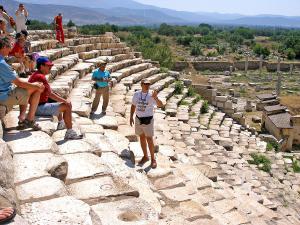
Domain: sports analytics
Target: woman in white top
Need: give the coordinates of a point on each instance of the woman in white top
(21, 16)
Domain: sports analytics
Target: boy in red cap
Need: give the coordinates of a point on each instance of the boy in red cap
(61, 105)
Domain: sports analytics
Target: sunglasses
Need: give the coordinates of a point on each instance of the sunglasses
(145, 83)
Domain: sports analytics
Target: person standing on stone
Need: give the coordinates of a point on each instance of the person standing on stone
(20, 95)
(102, 79)
(58, 23)
(21, 17)
(45, 108)
(143, 103)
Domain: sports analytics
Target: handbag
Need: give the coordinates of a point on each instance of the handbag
(28, 22)
(145, 120)
(95, 85)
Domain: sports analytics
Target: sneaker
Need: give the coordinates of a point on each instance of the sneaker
(72, 135)
(31, 124)
(61, 125)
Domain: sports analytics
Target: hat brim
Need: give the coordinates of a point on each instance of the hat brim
(49, 63)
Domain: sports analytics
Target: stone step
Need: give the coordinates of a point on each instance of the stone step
(63, 210)
(114, 51)
(120, 74)
(102, 46)
(127, 211)
(134, 78)
(54, 54)
(82, 48)
(112, 67)
(110, 188)
(42, 45)
(62, 65)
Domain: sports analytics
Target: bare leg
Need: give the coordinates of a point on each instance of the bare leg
(151, 147)
(60, 116)
(67, 114)
(33, 101)
(143, 144)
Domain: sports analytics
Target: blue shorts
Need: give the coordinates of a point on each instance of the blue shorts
(48, 109)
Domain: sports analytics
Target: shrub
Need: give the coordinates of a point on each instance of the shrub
(197, 99)
(205, 107)
(192, 114)
(196, 49)
(260, 50)
(261, 161)
(178, 88)
(272, 145)
(183, 102)
(290, 53)
(191, 92)
(163, 70)
(296, 166)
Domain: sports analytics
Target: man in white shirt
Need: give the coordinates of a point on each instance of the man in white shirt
(143, 103)
(21, 17)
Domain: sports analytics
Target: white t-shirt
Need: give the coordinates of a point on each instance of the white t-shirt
(20, 21)
(144, 104)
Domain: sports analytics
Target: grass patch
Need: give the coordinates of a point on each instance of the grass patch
(191, 92)
(196, 99)
(296, 166)
(178, 88)
(183, 102)
(163, 70)
(205, 107)
(272, 145)
(262, 162)
(192, 114)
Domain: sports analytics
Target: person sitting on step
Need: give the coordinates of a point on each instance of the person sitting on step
(18, 51)
(45, 108)
(20, 95)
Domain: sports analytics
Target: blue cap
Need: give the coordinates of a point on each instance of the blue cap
(44, 60)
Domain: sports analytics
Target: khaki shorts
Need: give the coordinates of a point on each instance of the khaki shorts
(17, 96)
(148, 130)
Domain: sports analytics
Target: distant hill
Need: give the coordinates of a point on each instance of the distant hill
(129, 12)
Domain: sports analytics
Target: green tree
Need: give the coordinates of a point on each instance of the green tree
(260, 50)
(71, 24)
(196, 49)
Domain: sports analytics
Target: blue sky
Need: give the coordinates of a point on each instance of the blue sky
(246, 7)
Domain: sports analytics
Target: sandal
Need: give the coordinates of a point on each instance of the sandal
(21, 125)
(153, 164)
(143, 161)
(32, 124)
(9, 218)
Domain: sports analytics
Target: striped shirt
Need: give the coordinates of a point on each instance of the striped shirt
(7, 75)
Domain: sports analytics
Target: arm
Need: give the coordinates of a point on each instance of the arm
(156, 99)
(158, 102)
(57, 98)
(17, 12)
(26, 12)
(132, 110)
(26, 85)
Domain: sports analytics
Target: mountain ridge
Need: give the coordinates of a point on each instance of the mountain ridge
(129, 12)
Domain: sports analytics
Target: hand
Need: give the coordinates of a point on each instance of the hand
(68, 103)
(39, 86)
(154, 94)
(131, 121)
